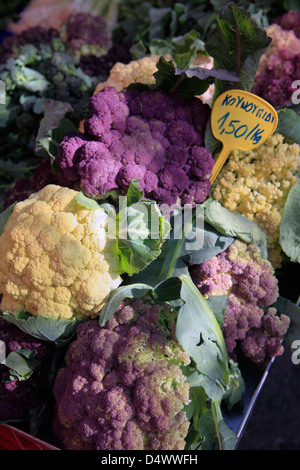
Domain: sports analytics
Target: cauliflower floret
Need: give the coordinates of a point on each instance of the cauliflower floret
(57, 259)
(251, 285)
(257, 183)
(122, 387)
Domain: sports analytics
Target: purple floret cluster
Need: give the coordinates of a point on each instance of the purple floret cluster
(150, 135)
(19, 398)
(279, 66)
(122, 387)
(252, 287)
(82, 29)
(35, 36)
(290, 21)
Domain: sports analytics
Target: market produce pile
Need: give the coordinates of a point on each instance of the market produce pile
(134, 288)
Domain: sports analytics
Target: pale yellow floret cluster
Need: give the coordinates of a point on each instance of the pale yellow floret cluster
(143, 70)
(56, 258)
(256, 184)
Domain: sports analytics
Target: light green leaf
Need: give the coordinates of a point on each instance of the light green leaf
(47, 329)
(289, 124)
(132, 291)
(234, 224)
(86, 202)
(290, 225)
(48, 137)
(141, 231)
(199, 334)
(22, 363)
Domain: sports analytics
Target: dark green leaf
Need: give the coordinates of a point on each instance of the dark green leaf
(4, 216)
(236, 46)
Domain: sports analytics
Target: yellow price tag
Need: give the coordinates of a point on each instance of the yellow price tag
(240, 120)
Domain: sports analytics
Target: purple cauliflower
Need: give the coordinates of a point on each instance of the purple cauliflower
(251, 285)
(122, 387)
(150, 135)
(290, 21)
(100, 66)
(278, 67)
(19, 397)
(85, 33)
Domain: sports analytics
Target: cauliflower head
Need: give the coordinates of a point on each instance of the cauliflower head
(150, 135)
(256, 184)
(278, 67)
(122, 387)
(57, 260)
(251, 285)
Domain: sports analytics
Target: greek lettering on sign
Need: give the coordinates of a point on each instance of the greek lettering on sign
(240, 120)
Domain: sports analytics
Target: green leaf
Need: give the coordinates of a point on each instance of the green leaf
(216, 434)
(4, 217)
(289, 308)
(22, 363)
(289, 124)
(47, 329)
(236, 46)
(218, 304)
(132, 291)
(185, 48)
(141, 231)
(290, 225)
(191, 241)
(53, 126)
(31, 80)
(234, 224)
(199, 334)
(134, 194)
(167, 81)
(86, 201)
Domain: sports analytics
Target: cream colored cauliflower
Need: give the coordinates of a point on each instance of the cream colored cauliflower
(57, 260)
(143, 70)
(256, 184)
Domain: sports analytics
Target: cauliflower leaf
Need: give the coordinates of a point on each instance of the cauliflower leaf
(290, 225)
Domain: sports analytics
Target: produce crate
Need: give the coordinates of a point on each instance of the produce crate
(12, 438)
